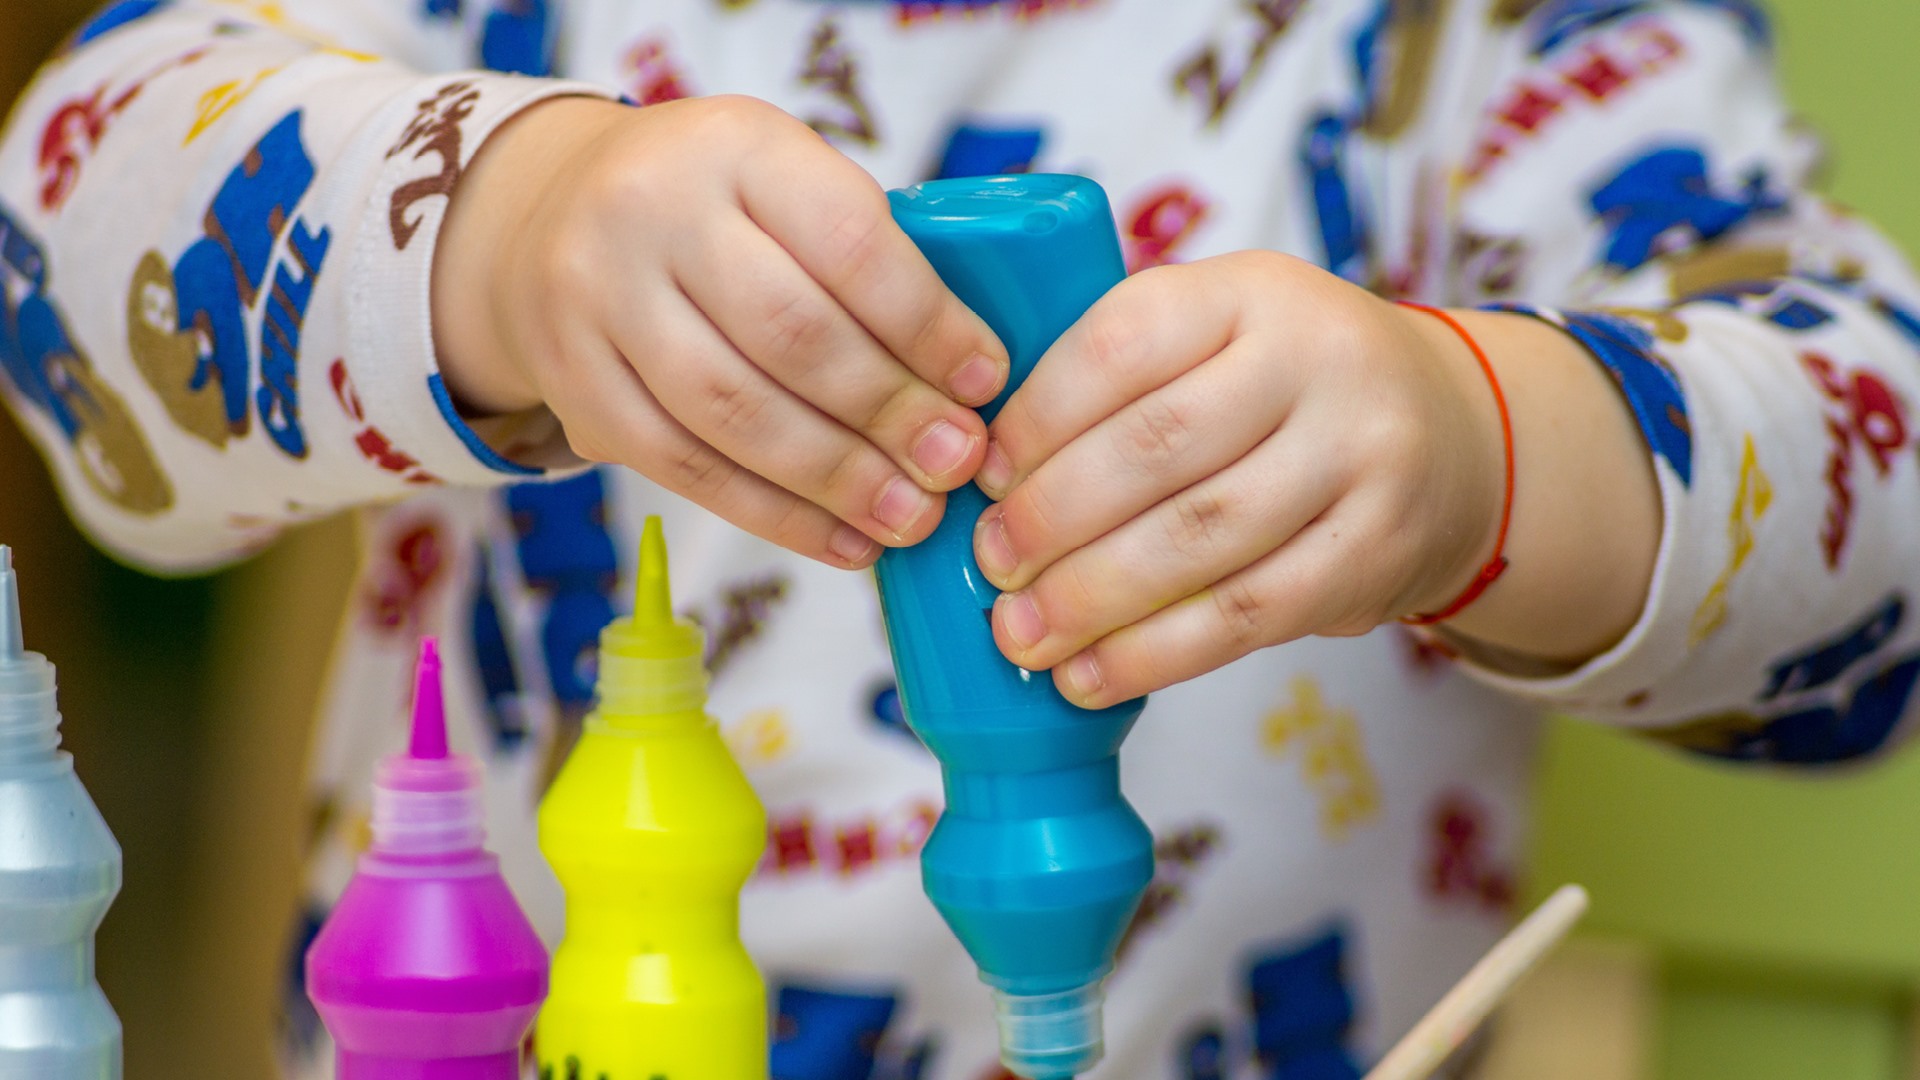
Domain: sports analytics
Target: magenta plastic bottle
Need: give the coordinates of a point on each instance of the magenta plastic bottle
(427, 969)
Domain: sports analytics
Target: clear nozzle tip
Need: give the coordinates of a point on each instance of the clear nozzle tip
(29, 715)
(1054, 1036)
(12, 644)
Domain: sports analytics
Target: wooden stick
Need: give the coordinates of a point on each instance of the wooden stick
(1472, 999)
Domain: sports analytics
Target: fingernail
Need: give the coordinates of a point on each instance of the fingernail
(1021, 620)
(900, 504)
(942, 449)
(850, 544)
(991, 547)
(1083, 675)
(996, 472)
(976, 381)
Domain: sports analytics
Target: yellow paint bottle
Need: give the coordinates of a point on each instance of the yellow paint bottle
(652, 829)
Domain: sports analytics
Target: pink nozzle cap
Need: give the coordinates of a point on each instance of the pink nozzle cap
(429, 705)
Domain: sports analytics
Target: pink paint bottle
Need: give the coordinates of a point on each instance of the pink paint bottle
(427, 969)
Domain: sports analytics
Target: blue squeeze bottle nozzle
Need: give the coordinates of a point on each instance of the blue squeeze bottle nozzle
(1038, 862)
(59, 872)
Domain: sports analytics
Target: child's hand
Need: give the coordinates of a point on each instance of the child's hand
(709, 294)
(1228, 455)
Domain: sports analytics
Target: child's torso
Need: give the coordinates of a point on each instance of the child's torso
(1338, 821)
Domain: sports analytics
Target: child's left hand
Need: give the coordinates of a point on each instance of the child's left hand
(1228, 455)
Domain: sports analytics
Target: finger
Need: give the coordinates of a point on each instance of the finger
(613, 418)
(789, 326)
(734, 407)
(1151, 448)
(1151, 329)
(1200, 535)
(838, 226)
(1291, 593)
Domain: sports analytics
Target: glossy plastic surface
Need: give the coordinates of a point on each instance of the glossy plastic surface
(427, 969)
(1038, 862)
(652, 830)
(59, 871)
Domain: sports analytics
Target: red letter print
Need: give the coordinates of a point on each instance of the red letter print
(1868, 415)
(1160, 224)
(657, 78)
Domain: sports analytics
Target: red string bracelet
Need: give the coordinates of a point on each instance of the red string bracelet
(1496, 565)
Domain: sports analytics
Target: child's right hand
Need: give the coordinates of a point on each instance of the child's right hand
(707, 293)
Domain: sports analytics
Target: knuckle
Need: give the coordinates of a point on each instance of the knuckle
(565, 267)
(1198, 525)
(692, 468)
(853, 237)
(840, 476)
(798, 330)
(1242, 612)
(734, 404)
(792, 526)
(1392, 435)
(1158, 433)
(1066, 593)
(882, 409)
(1030, 517)
(736, 115)
(1117, 344)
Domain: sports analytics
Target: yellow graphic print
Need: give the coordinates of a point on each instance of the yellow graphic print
(220, 100)
(111, 450)
(275, 15)
(1508, 12)
(1750, 504)
(1405, 70)
(216, 102)
(1721, 734)
(1665, 324)
(1713, 266)
(760, 737)
(1333, 759)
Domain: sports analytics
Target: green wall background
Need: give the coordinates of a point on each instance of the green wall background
(1849, 67)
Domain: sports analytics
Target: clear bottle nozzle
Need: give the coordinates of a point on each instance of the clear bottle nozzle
(1051, 1036)
(652, 663)
(29, 716)
(426, 800)
(12, 644)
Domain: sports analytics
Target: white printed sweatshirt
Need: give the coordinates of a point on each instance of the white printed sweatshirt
(217, 224)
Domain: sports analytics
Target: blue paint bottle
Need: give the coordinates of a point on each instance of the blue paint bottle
(1038, 862)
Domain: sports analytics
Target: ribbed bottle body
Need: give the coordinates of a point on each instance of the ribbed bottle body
(59, 872)
(652, 829)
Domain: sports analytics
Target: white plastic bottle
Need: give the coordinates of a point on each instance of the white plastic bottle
(59, 871)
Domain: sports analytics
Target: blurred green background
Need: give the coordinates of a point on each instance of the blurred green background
(1786, 913)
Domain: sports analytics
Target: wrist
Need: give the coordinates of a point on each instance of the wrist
(476, 337)
(1586, 515)
(1471, 555)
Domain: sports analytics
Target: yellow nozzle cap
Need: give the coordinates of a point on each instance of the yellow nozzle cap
(651, 662)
